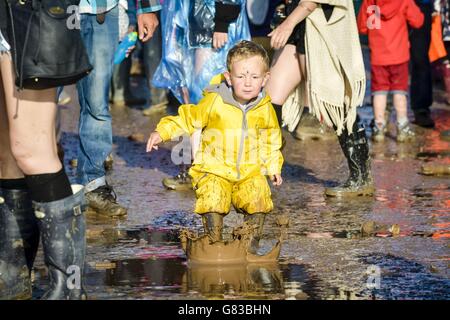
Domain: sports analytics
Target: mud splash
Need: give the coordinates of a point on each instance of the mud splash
(235, 249)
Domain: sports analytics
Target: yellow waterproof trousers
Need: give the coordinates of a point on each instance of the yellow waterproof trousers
(216, 194)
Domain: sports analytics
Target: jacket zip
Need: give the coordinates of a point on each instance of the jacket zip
(243, 136)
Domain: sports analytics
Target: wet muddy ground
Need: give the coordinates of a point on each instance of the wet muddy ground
(323, 257)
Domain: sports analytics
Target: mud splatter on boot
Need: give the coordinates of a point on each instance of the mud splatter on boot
(19, 241)
(213, 225)
(63, 229)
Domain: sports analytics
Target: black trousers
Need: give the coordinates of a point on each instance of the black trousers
(421, 81)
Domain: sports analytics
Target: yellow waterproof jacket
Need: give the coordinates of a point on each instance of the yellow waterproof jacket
(237, 141)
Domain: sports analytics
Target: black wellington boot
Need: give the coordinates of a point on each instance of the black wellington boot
(356, 150)
(213, 225)
(63, 228)
(19, 241)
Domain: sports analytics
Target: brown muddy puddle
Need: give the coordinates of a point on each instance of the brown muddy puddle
(158, 268)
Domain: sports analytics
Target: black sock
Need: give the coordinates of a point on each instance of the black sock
(278, 111)
(49, 187)
(14, 184)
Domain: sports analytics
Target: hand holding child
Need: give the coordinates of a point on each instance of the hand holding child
(153, 141)
(277, 180)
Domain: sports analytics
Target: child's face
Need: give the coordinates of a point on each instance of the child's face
(247, 77)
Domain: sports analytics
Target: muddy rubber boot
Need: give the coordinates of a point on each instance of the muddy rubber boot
(213, 225)
(63, 228)
(356, 150)
(257, 220)
(19, 241)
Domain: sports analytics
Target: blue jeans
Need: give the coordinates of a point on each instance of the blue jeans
(95, 125)
(152, 51)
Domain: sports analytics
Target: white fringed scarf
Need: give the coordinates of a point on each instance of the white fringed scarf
(336, 76)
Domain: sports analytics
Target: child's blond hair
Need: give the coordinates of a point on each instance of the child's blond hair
(246, 49)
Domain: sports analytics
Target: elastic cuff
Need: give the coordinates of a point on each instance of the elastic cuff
(221, 26)
(402, 92)
(380, 93)
(165, 136)
(149, 10)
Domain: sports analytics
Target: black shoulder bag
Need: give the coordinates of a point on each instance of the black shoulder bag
(47, 51)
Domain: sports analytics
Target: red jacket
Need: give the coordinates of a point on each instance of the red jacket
(388, 35)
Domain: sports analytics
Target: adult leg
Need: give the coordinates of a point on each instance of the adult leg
(31, 116)
(19, 233)
(95, 126)
(421, 78)
(379, 110)
(404, 131)
(355, 147)
(285, 75)
(152, 52)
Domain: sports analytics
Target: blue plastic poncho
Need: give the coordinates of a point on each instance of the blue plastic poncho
(188, 60)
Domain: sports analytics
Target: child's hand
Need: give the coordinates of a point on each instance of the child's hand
(277, 180)
(153, 140)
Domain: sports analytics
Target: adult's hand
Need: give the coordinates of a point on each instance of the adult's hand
(219, 39)
(147, 23)
(280, 35)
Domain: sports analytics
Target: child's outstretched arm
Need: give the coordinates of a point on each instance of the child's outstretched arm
(189, 119)
(153, 141)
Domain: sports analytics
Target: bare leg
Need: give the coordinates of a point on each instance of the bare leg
(31, 118)
(201, 56)
(379, 108)
(8, 165)
(400, 104)
(285, 74)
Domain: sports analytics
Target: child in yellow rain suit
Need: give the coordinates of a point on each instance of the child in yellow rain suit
(240, 143)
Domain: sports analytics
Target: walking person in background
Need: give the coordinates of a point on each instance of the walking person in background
(421, 78)
(389, 60)
(318, 43)
(36, 198)
(100, 33)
